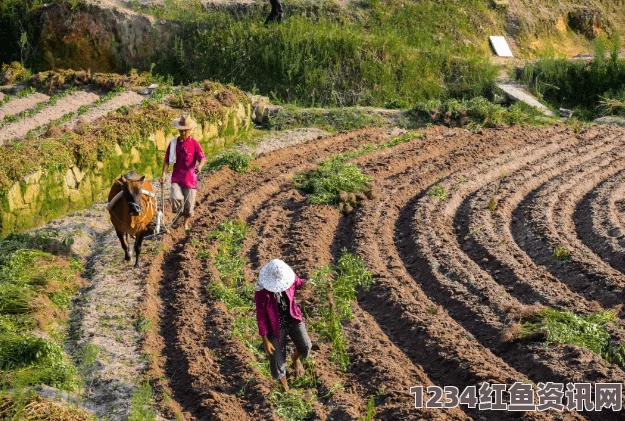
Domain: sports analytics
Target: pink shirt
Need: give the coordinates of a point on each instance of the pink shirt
(188, 153)
(267, 308)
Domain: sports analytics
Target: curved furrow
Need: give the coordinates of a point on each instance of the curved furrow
(597, 221)
(194, 327)
(285, 222)
(271, 230)
(470, 295)
(550, 209)
(426, 333)
(487, 239)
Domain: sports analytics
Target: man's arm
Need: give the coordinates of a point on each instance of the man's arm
(200, 165)
(164, 173)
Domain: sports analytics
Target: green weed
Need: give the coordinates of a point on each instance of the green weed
(334, 182)
(566, 327)
(492, 205)
(293, 405)
(369, 410)
(338, 285)
(438, 191)
(236, 161)
(142, 403)
(561, 253)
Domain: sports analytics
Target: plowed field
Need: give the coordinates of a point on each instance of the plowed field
(447, 272)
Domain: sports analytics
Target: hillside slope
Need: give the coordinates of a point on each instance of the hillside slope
(370, 52)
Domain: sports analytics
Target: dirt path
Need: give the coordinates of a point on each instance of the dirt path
(66, 105)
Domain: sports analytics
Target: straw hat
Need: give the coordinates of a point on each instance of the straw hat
(275, 276)
(185, 122)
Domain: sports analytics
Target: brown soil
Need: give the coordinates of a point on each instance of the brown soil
(447, 272)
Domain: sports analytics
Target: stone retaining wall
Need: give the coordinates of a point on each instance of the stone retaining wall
(45, 195)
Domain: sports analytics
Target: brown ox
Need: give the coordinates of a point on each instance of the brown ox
(132, 205)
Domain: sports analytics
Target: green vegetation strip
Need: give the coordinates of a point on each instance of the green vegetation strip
(337, 182)
(36, 288)
(565, 327)
(337, 286)
(477, 113)
(237, 294)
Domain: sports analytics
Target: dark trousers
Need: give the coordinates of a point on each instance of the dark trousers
(301, 340)
(277, 14)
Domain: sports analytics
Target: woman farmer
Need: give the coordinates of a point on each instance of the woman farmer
(278, 316)
(187, 157)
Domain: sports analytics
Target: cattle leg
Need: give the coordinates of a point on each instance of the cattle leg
(138, 242)
(124, 241)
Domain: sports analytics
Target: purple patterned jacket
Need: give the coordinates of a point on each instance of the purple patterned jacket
(267, 308)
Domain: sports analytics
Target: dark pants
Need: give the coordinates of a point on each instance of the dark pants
(276, 12)
(301, 340)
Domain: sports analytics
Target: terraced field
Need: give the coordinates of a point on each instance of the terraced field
(449, 270)
(35, 111)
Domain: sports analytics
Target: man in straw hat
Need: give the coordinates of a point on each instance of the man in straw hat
(278, 316)
(186, 154)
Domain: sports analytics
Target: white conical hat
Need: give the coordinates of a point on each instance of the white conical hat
(275, 276)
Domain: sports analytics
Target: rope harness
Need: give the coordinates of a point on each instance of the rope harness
(151, 205)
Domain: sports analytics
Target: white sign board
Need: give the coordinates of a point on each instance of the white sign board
(500, 46)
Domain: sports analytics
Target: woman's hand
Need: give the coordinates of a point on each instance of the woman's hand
(268, 346)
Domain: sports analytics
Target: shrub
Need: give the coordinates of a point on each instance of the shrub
(234, 160)
(14, 72)
(594, 87)
(334, 182)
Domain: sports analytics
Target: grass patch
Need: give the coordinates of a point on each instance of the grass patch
(337, 286)
(477, 113)
(35, 293)
(337, 182)
(492, 204)
(293, 405)
(142, 403)
(565, 327)
(234, 160)
(561, 253)
(334, 182)
(438, 191)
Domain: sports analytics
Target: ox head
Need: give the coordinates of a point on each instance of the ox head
(132, 186)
